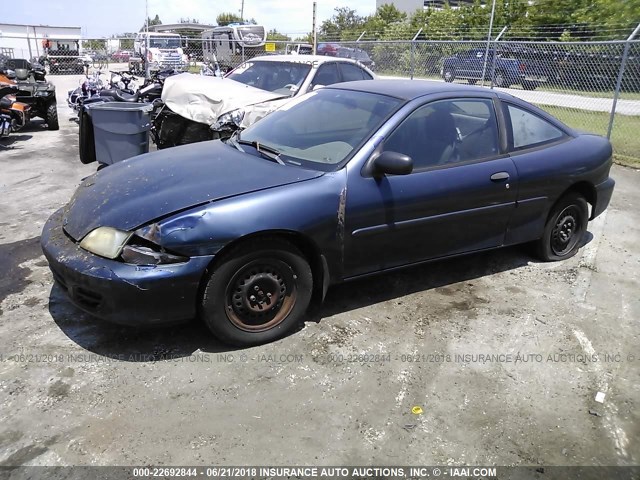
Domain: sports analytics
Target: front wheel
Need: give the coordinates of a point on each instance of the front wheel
(258, 293)
(52, 115)
(564, 229)
(500, 80)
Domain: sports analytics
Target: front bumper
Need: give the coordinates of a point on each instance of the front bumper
(119, 292)
(603, 197)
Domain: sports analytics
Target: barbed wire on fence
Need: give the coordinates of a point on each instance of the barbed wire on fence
(575, 80)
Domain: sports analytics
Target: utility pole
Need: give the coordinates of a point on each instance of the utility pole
(486, 51)
(146, 50)
(315, 34)
(242, 11)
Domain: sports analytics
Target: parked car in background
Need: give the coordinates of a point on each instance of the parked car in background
(298, 49)
(356, 54)
(203, 107)
(330, 49)
(121, 55)
(349, 180)
(469, 65)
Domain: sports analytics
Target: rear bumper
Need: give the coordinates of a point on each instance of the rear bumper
(603, 197)
(119, 292)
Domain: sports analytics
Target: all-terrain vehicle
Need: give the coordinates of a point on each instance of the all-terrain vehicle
(35, 90)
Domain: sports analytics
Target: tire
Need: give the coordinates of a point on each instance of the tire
(529, 85)
(251, 277)
(87, 143)
(448, 75)
(500, 80)
(472, 81)
(52, 115)
(564, 230)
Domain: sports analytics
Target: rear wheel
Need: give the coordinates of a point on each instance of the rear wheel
(564, 229)
(87, 143)
(52, 115)
(472, 81)
(258, 293)
(448, 75)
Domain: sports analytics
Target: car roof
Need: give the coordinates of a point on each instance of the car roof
(302, 58)
(409, 89)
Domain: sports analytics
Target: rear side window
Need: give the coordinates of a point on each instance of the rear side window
(529, 130)
(327, 75)
(353, 72)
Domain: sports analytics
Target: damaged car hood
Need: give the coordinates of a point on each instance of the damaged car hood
(140, 190)
(204, 98)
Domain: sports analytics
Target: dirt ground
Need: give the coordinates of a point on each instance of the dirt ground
(503, 355)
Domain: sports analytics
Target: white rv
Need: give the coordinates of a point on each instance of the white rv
(164, 51)
(233, 43)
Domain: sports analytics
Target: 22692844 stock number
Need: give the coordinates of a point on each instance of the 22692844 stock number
(165, 472)
(358, 357)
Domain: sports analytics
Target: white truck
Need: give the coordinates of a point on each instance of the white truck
(232, 44)
(164, 50)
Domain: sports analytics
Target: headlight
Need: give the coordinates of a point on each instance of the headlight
(105, 241)
(230, 118)
(142, 249)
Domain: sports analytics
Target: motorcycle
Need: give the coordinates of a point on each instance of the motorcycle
(15, 115)
(35, 90)
(89, 87)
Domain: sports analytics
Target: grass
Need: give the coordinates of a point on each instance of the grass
(591, 93)
(624, 136)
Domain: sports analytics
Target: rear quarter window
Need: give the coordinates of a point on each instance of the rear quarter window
(528, 129)
(352, 73)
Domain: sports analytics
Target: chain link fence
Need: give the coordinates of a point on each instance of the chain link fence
(592, 86)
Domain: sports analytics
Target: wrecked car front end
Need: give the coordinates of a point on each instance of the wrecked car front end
(117, 291)
(133, 244)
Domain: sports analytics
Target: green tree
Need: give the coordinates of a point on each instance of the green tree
(228, 17)
(275, 36)
(152, 21)
(386, 15)
(389, 14)
(608, 15)
(96, 45)
(345, 24)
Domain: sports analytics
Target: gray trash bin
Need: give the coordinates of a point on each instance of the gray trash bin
(121, 130)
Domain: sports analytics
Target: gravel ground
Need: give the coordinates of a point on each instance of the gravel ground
(75, 391)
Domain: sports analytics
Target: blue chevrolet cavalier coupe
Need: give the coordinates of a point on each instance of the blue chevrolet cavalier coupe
(349, 180)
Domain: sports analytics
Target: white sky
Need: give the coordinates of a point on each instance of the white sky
(99, 19)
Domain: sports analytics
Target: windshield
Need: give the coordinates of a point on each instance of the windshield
(279, 77)
(324, 128)
(164, 42)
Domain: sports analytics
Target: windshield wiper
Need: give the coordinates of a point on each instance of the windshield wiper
(266, 151)
(234, 142)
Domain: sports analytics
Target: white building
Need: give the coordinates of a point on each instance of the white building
(26, 41)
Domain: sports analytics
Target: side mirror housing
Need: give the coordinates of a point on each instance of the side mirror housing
(392, 163)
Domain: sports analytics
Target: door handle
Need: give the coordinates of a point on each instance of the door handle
(499, 177)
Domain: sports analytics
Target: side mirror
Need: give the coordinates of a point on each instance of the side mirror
(392, 163)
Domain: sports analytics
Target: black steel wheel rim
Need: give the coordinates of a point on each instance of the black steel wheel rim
(565, 233)
(261, 295)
